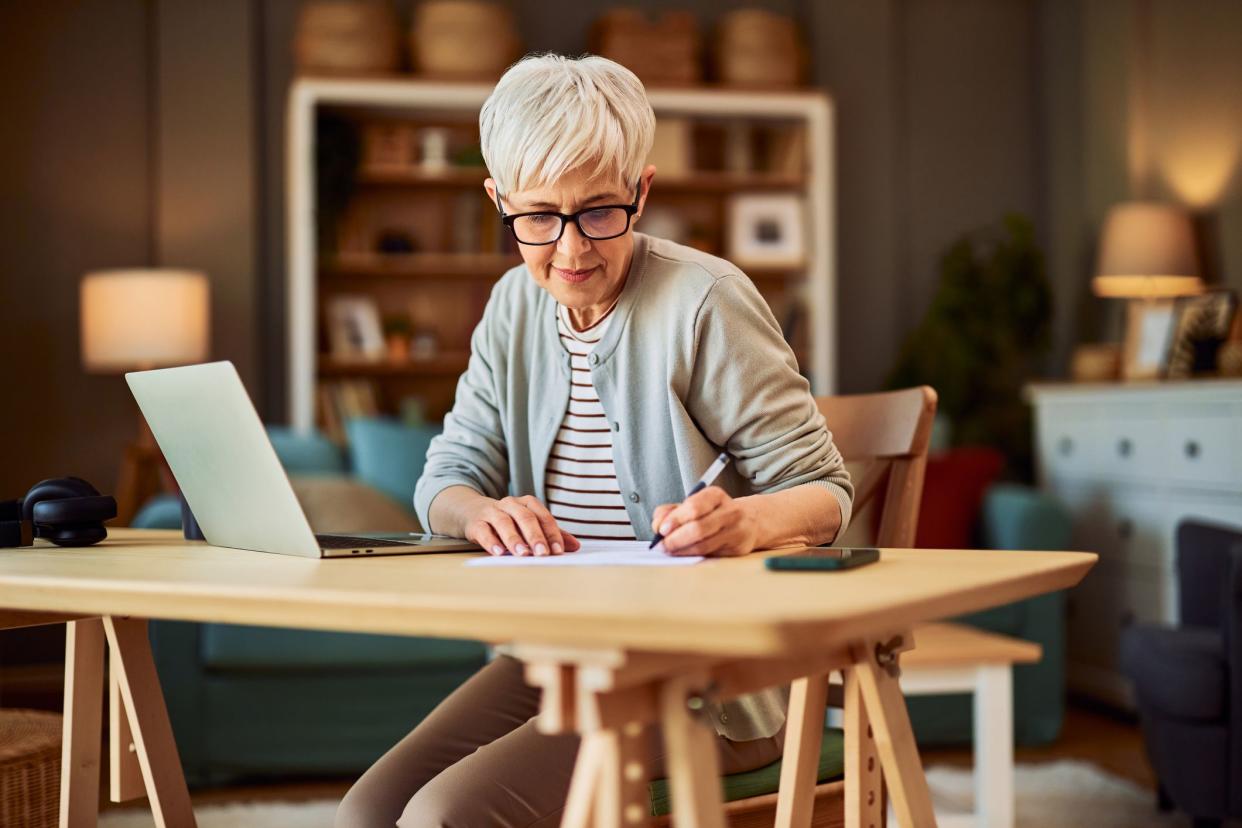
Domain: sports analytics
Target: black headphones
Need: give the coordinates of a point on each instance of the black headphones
(67, 511)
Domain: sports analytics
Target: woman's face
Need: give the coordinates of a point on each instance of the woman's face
(585, 275)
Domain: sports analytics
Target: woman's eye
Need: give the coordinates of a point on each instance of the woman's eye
(541, 220)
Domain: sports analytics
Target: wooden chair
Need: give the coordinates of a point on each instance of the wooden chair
(889, 433)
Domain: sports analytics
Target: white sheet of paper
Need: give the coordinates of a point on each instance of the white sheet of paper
(594, 553)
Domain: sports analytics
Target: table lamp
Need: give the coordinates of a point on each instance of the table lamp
(134, 320)
(1146, 254)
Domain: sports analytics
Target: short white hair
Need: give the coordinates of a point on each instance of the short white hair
(550, 115)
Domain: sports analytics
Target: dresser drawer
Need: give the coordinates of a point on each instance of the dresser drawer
(1133, 449)
(1067, 443)
(1204, 450)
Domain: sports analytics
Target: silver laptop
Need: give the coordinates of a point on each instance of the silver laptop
(215, 444)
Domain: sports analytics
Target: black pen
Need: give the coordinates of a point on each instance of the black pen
(709, 477)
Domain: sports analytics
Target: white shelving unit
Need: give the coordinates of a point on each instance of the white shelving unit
(407, 96)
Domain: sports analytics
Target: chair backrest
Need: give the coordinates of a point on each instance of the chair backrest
(890, 433)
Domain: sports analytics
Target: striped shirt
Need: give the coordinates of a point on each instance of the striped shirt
(583, 494)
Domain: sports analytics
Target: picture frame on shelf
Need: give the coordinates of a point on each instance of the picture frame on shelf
(766, 229)
(1144, 353)
(354, 330)
(1201, 324)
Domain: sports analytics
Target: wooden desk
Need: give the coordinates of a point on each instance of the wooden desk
(611, 648)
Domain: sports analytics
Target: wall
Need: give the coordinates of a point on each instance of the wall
(131, 143)
(77, 195)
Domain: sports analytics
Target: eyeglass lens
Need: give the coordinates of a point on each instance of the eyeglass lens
(603, 223)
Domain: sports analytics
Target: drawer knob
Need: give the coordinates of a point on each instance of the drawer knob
(1065, 447)
(1125, 528)
(1192, 449)
(1125, 447)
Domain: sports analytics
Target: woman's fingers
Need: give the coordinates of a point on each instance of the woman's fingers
(661, 512)
(700, 536)
(691, 509)
(533, 541)
(485, 536)
(510, 535)
(556, 542)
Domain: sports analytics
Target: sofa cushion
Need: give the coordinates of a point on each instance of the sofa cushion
(226, 647)
(389, 455)
(306, 453)
(763, 780)
(1179, 673)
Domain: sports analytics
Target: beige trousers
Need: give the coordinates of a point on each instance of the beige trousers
(478, 762)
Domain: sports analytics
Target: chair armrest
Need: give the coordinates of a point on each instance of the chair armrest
(1020, 517)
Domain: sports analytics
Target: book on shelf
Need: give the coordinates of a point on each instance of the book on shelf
(340, 401)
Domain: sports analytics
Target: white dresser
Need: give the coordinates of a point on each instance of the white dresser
(1131, 461)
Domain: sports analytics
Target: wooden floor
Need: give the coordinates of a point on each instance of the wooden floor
(1089, 734)
(1094, 735)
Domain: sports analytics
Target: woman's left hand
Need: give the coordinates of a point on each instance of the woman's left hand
(707, 523)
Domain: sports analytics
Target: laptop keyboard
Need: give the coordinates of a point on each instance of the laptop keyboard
(347, 542)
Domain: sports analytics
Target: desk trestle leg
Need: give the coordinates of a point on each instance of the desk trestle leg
(864, 788)
(83, 724)
(890, 724)
(148, 718)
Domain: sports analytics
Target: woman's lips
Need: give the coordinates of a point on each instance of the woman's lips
(574, 277)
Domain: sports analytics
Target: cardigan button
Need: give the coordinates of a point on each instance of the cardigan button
(616, 426)
(594, 359)
(633, 497)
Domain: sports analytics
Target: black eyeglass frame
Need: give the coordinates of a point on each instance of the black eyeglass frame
(630, 209)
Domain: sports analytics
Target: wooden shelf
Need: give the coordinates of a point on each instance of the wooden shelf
(700, 182)
(489, 266)
(450, 363)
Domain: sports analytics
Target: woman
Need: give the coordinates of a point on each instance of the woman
(609, 370)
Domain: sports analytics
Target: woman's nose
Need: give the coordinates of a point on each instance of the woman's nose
(572, 242)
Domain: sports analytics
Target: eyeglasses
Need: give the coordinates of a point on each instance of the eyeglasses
(597, 223)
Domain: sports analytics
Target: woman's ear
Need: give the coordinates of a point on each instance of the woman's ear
(489, 184)
(648, 176)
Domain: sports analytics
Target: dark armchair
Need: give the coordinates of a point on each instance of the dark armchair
(1188, 679)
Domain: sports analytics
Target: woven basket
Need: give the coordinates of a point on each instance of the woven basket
(29, 768)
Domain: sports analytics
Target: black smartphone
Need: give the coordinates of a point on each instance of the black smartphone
(823, 558)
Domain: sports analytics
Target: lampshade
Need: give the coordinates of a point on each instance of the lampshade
(143, 318)
(1147, 250)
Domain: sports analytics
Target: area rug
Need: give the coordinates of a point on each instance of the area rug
(1063, 794)
(1066, 794)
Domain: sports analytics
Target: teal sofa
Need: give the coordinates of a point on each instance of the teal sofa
(250, 701)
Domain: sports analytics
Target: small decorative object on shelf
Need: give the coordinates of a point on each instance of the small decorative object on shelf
(354, 331)
(1095, 363)
(346, 37)
(424, 345)
(667, 51)
(759, 48)
(1145, 352)
(394, 242)
(672, 148)
(397, 337)
(463, 39)
(766, 230)
(435, 143)
(1229, 358)
(1201, 325)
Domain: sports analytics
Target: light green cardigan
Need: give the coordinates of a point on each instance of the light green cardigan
(692, 362)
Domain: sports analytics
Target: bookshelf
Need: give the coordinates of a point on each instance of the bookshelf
(446, 278)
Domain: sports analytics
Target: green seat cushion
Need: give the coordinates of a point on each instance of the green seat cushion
(763, 780)
(226, 647)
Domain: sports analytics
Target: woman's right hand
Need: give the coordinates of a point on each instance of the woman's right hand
(518, 525)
